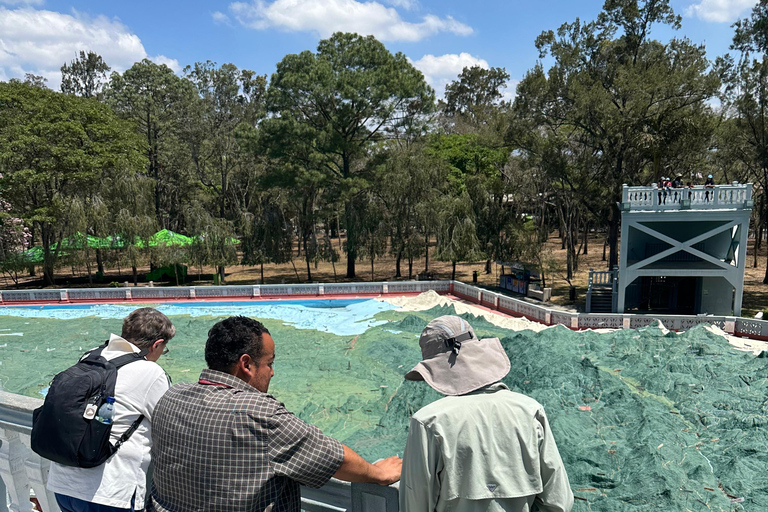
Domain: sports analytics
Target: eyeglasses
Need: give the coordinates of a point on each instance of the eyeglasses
(165, 351)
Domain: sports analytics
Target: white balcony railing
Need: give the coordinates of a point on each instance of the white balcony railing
(736, 196)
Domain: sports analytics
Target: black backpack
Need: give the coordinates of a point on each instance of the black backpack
(64, 429)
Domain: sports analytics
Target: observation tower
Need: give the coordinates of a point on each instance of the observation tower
(682, 251)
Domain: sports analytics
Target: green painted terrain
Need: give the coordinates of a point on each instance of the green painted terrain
(644, 420)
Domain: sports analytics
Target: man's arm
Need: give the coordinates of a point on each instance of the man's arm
(357, 469)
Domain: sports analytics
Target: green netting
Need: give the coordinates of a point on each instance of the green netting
(644, 420)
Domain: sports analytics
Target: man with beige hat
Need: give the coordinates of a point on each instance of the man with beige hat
(482, 447)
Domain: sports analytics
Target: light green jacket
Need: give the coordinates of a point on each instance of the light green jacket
(489, 450)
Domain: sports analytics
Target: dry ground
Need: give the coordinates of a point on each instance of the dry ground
(755, 292)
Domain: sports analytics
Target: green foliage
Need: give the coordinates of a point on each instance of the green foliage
(476, 97)
(616, 106)
(56, 149)
(84, 76)
(340, 100)
(158, 103)
(745, 97)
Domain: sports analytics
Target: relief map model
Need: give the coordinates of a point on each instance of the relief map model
(644, 419)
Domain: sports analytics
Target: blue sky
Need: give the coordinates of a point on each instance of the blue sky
(440, 37)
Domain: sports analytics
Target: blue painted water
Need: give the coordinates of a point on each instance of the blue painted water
(342, 317)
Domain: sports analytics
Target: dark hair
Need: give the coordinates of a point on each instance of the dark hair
(230, 339)
(144, 326)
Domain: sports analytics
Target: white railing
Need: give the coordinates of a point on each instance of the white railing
(736, 196)
(602, 277)
(147, 293)
(24, 473)
(748, 327)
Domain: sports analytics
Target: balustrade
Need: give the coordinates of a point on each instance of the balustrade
(718, 197)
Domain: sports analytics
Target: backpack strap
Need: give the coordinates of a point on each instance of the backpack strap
(129, 432)
(121, 361)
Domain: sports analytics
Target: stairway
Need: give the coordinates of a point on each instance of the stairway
(601, 300)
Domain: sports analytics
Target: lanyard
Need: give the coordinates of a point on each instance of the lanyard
(211, 383)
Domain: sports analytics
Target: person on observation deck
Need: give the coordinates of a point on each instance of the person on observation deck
(708, 185)
(120, 483)
(224, 444)
(482, 447)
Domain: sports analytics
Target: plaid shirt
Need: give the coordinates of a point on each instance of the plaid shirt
(229, 447)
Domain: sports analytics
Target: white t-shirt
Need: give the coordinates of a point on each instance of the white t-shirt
(138, 387)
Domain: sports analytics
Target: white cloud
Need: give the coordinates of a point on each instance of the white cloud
(220, 17)
(171, 63)
(325, 17)
(720, 11)
(441, 70)
(41, 41)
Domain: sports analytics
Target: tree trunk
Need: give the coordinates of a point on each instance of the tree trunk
(351, 241)
(338, 233)
(488, 266)
(88, 269)
(453, 270)
(135, 276)
(99, 262)
(222, 275)
(586, 237)
(426, 253)
(306, 257)
(262, 272)
(397, 263)
(605, 244)
(298, 279)
(372, 278)
(410, 268)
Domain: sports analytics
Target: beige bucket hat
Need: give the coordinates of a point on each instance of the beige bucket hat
(454, 361)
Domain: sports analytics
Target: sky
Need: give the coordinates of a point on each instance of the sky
(440, 37)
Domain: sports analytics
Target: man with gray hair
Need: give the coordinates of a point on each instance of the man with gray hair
(120, 483)
(482, 447)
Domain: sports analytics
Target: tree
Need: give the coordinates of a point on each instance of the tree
(15, 238)
(627, 98)
(746, 97)
(475, 168)
(228, 97)
(348, 95)
(31, 79)
(85, 75)
(456, 239)
(55, 150)
(404, 183)
(475, 98)
(267, 235)
(158, 102)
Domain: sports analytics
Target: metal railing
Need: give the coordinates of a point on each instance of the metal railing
(738, 196)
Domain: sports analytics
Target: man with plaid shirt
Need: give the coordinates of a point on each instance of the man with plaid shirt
(224, 444)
